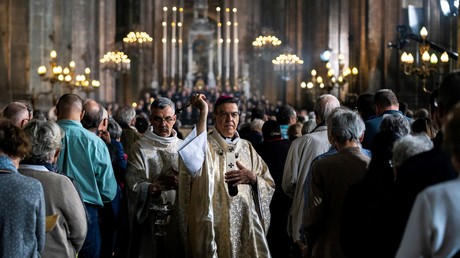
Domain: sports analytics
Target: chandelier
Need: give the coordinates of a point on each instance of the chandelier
(429, 64)
(137, 39)
(55, 70)
(266, 41)
(116, 61)
(286, 64)
(266, 44)
(66, 76)
(332, 79)
(83, 82)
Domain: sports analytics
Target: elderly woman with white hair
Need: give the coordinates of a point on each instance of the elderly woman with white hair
(408, 146)
(61, 197)
(332, 177)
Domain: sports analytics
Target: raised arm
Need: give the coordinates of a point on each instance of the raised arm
(199, 101)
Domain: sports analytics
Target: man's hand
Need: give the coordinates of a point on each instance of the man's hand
(105, 135)
(155, 189)
(199, 101)
(164, 183)
(241, 176)
(169, 182)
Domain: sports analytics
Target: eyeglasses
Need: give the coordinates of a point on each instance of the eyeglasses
(226, 114)
(159, 120)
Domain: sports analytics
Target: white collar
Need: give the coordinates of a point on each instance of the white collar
(163, 140)
(33, 167)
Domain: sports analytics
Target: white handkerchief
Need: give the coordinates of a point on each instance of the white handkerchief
(193, 151)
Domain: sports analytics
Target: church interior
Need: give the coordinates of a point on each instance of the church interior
(288, 51)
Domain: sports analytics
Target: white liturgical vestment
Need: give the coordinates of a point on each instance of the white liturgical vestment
(151, 157)
(220, 225)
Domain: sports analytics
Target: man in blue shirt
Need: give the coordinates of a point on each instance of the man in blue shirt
(85, 159)
(385, 102)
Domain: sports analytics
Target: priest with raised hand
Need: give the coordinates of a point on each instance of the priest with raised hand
(227, 210)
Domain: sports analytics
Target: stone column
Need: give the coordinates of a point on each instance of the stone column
(190, 67)
(17, 45)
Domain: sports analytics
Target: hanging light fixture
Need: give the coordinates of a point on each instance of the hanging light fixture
(266, 44)
(116, 61)
(137, 39)
(287, 64)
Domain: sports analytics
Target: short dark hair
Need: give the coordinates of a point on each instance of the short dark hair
(271, 130)
(69, 103)
(365, 105)
(142, 124)
(258, 112)
(284, 114)
(385, 98)
(223, 100)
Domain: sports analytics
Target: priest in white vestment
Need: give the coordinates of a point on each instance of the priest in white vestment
(152, 178)
(223, 223)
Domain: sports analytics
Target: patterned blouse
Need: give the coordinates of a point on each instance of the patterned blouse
(22, 213)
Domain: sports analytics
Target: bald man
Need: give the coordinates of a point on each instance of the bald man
(17, 112)
(86, 160)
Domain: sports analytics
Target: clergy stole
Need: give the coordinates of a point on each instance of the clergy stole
(231, 158)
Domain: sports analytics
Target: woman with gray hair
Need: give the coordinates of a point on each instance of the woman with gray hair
(408, 146)
(332, 177)
(61, 197)
(125, 116)
(396, 123)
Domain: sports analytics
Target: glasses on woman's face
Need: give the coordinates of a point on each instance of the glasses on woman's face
(226, 114)
(160, 120)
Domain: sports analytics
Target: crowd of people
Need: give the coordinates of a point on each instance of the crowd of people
(251, 179)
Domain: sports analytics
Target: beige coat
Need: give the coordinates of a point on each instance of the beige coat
(301, 153)
(61, 198)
